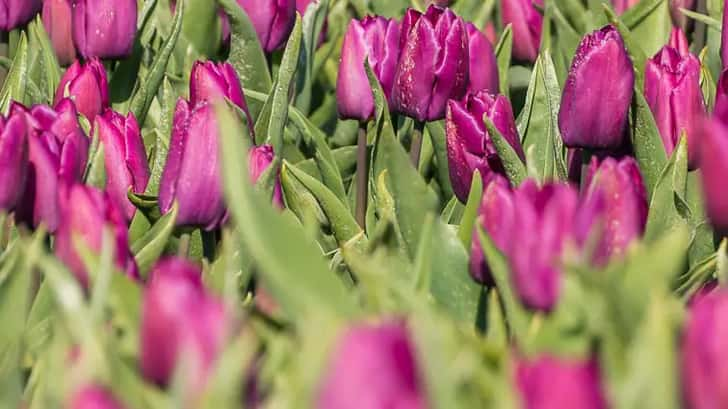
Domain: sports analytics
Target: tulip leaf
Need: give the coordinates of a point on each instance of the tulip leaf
(14, 87)
(150, 246)
(702, 244)
(636, 14)
(646, 141)
(709, 21)
(344, 157)
(300, 281)
(146, 204)
(436, 130)
(142, 98)
(246, 53)
(303, 203)
(313, 23)
(514, 167)
(503, 52)
(162, 138)
(467, 222)
(95, 174)
(653, 30)
(48, 70)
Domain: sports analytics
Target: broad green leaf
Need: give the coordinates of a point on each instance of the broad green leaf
(313, 23)
(664, 212)
(14, 87)
(150, 247)
(646, 141)
(49, 72)
(436, 130)
(471, 210)
(503, 55)
(514, 167)
(653, 29)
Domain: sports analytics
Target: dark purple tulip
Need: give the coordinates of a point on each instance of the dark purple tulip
(377, 39)
(191, 176)
(549, 383)
(496, 215)
(526, 23)
(93, 397)
(597, 93)
(618, 185)
(483, 65)
(85, 212)
(57, 15)
(104, 28)
(179, 317)
(380, 357)
(623, 5)
(273, 20)
(212, 82)
(469, 147)
(14, 159)
(704, 373)
(679, 41)
(433, 64)
(720, 110)
(714, 168)
(15, 13)
(86, 84)
(259, 160)
(125, 158)
(672, 89)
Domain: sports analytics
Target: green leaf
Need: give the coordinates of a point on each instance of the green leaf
(646, 141)
(702, 18)
(503, 52)
(436, 130)
(471, 210)
(15, 82)
(664, 214)
(49, 72)
(150, 246)
(514, 167)
(313, 23)
(653, 30)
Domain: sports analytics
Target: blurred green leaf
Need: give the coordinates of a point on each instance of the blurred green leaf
(503, 50)
(151, 245)
(646, 141)
(513, 165)
(15, 81)
(470, 214)
(664, 211)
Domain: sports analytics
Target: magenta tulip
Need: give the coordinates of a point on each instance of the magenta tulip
(483, 67)
(15, 13)
(714, 168)
(57, 16)
(93, 397)
(14, 159)
(679, 41)
(273, 20)
(87, 85)
(549, 382)
(259, 160)
(496, 215)
(103, 28)
(526, 23)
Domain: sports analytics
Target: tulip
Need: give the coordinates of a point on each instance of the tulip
(180, 318)
(214, 82)
(377, 39)
(483, 66)
(620, 6)
(714, 168)
(379, 356)
(103, 28)
(191, 175)
(672, 90)
(556, 383)
(14, 160)
(433, 65)
(618, 184)
(704, 373)
(273, 20)
(93, 397)
(86, 84)
(720, 110)
(84, 213)
(259, 160)
(526, 23)
(469, 146)
(597, 93)
(57, 15)
(15, 13)
(125, 158)
(679, 41)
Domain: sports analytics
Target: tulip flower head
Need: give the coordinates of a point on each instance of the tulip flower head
(483, 67)
(103, 28)
(93, 397)
(556, 383)
(15, 13)
(713, 166)
(260, 159)
(87, 85)
(526, 23)
(57, 20)
(273, 20)
(14, 158)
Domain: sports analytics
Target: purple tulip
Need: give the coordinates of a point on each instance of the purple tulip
(374, 38)
(93, 397)
(58, 151)
(714, 168)
(125, 158)
(526, 23)
(623, 5)
(213, 82)
(720, 111)
(14, 159)
(103, 28)
(15, 13)
(57, 16)
(549, 382)
(180, 317)
(618, 185)
(191, 176)
(433, 65)
(259, 160)
(273, 20)
(469, 147)
(672, 89)
(704, 373)
(380, 357)
(483, 66)
(84, 213)
(86, 84)
(597, 93)
(679, 41)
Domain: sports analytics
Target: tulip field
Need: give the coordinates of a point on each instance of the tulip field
(363, 204)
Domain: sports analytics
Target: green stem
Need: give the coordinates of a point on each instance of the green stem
(362, 176)
(416, 147)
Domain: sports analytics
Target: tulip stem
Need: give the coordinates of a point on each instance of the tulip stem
(416, 147)
(362, 176)
(183, 248)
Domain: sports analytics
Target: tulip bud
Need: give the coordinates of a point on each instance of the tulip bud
(556, 383)
(704, 373)
(433, 65)
(620, 6)
(597, 93)
(624, 201)
(214, 82)
(180, 318)
(125, 158)
(87, 86)
(104, 29)
(191, 175)
(84, 214)
(714, 168)
(679, 41)
(496, 215)
(672, 90)
(15, 13)
(14, 160)
(469, 147)
(483, 66)
(374, 38)
(273, 20)
(720, 110)
(526, 23)
(93, 397)
(259, 160)
(57, 15)
(380, 357)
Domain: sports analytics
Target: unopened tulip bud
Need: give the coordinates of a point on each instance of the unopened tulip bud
(557, 383)
(526, 23)
(87, 85)
(259, 160)
(14, 160)
(57, 19)
(103, 28)
(483, 66)
(15, 13)
(714, 168)
(273, 20)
